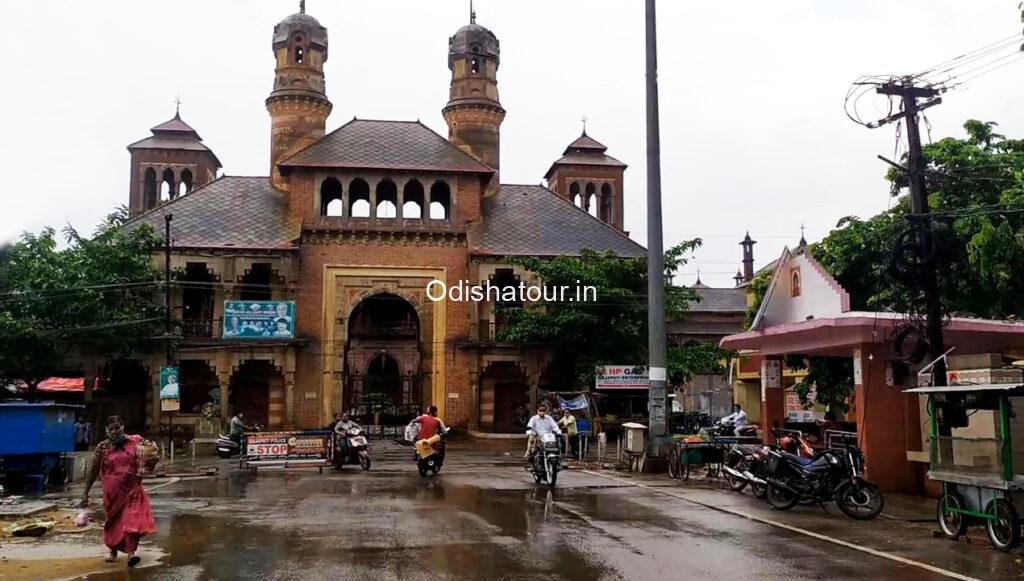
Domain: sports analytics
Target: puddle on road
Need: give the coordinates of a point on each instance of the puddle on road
(370, 526)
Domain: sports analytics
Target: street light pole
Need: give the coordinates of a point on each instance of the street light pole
(656, 350)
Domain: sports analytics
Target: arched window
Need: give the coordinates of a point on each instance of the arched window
(299, 55)
(149, 189)
(606, 203)
(186, 182)
(794, 282)
(167, 186)
(590, 199)
(440, 201)
(574, 195)
(387, 199)
(330, 198)
(359, 199)
(474, 65)
(412, 193)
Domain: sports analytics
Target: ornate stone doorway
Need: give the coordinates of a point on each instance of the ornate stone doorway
(383, 384)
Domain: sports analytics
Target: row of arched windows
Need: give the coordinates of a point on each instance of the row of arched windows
(165, 186)
(385, 201)
(598, 205)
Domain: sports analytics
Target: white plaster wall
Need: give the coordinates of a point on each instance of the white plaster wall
(818, 298)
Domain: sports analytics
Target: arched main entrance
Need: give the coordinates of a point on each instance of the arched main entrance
(383, 382)
(504, 398)
(257, 390)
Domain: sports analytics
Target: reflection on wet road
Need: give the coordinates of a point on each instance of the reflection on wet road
(479, 519)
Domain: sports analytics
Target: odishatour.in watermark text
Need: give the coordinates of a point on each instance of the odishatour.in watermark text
(464, 290)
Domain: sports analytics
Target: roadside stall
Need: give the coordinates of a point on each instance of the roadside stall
(971, 452)
(620, 397)
(35, 439)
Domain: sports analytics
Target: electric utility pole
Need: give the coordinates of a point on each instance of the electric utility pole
(656, 350)
(167, 288)
(909, 93)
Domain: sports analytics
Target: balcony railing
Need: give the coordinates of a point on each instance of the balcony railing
(200, 328)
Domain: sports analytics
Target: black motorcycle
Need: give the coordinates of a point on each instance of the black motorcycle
(746, 465)
(728, 430)
(832, 475)
(547, 460)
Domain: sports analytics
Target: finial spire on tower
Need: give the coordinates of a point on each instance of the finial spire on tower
(302, 6)
(472, 13)
(803, 241)
(584, 120)
(177, 107)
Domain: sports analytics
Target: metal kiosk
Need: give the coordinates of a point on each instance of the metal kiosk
(977, 472)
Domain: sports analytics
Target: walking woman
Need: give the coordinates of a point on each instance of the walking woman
(125, 502)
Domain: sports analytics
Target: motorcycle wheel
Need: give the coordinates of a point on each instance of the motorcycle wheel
(863, 502)
(781, 498)
(735, 484)
(1004, 530)
(760, 491)
(223, 455)
(538, 477)
(673, 465)
(952, 524)
(364, 462)
(551, 477)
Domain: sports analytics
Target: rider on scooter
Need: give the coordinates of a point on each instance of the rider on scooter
(341, 429)
(431, 428)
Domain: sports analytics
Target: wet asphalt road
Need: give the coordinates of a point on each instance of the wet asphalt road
(481, 518)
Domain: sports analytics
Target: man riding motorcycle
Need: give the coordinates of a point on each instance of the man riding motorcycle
(737, 419)
(538, 425)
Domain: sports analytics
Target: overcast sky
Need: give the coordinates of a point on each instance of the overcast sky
(753, 132)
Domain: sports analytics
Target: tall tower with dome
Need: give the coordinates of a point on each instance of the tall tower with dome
(474, 112)
(298, 104)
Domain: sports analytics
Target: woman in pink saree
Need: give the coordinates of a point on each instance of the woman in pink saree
(125, 503)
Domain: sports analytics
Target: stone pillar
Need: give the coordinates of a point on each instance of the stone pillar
(289, 386)
(882, 430)
(373, 198)
(224, 382)
(773, 399)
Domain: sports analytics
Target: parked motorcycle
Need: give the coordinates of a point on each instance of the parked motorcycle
(357, 450)
(430, 456)
(746, 465)
(227, 447)
(832, 475)
(547, 460)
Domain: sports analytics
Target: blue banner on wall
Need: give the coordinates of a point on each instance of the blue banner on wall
(259, 319)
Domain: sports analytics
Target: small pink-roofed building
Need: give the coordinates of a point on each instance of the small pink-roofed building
(806, 311)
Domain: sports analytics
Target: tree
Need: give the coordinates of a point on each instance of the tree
(94, 297)
(976, 200)
(612, 328)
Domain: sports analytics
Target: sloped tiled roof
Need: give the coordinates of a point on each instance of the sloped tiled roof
(720, 300)
(408, 145)
(585, 151)
(523, 220)
(175, 125)
(229, 212)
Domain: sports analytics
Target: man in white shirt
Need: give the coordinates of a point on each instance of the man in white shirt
(738, 418)
(539, 424)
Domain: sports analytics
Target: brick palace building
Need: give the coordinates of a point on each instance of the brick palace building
(351, 225)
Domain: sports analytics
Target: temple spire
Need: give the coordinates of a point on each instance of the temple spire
(302, 6)
(472, 13)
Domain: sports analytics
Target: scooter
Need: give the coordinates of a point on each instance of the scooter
(430, 456)
(227, 447)
(358, 451)
(746, 465)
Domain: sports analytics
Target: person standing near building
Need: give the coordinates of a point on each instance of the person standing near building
(128, 513)
(568, 425)
(83, 434)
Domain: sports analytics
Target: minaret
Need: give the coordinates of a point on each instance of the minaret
(748, 257)
(298, 105)
(474, 113)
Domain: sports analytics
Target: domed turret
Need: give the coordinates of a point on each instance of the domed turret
(474, 113)
(298, 104)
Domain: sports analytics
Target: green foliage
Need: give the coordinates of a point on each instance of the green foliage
(758, 288)
(685, 361)
(610, 330)
(93, 297)
(976, 194)
(828, 379)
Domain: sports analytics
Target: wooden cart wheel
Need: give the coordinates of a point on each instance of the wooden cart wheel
(673, 463)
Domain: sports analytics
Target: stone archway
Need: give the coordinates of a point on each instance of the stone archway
(256, 389)
(382, 360)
